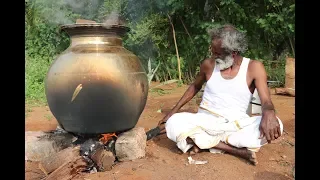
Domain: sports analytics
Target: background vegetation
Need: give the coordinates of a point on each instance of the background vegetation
(269, 24)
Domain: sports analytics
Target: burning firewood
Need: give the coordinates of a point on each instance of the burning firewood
(98, 155)
(49, 164)
(103, 159)
(106, 137)
(69, 169)
(84, 154)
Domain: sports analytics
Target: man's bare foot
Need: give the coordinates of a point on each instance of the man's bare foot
(162, 128)
(248, 155)
(194, 150)
(252, 157)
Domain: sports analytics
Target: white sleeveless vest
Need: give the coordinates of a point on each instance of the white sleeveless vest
(229, 98)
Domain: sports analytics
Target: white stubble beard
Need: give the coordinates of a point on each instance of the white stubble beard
(225, 63)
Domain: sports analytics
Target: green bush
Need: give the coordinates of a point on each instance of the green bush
(268, 24)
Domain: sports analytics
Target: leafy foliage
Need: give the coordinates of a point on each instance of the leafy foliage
(269, 25)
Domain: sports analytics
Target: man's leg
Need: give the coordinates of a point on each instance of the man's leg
(244, 142)
(240, 152)
(178, 125)
(237, 143)
(162, 128)
(249, 136)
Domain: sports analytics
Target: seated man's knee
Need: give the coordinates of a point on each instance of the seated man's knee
(177, 117)
(172, 118)
(205, 141)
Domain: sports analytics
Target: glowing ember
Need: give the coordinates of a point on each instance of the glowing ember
(106, 137)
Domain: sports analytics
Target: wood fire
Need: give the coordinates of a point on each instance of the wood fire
(106, 137)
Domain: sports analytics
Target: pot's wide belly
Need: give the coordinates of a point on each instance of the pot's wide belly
(96, 93)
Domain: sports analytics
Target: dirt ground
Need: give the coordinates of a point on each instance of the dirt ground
(163, 160)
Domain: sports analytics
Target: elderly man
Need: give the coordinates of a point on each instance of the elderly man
(221, 123)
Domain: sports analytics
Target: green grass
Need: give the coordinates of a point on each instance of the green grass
(48, 117)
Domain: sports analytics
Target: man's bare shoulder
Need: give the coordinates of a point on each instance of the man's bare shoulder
(255, 65)
(207, 63)
(256, 69)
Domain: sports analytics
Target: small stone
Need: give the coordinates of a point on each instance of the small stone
(131, 145)
(283, 156)
(272, 159)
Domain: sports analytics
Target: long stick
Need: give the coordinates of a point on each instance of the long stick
(175, 44)
(291, 45)
(185, 28)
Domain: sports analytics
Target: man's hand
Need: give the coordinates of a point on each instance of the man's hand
(164, 120)
(269, 126)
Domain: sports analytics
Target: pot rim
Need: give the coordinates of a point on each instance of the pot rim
(100, 28)
(103, 25)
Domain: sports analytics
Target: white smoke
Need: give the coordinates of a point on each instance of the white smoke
(63, 11)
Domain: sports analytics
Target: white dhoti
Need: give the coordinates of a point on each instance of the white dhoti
(207, 130)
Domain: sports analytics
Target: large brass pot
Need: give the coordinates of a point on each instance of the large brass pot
(96, 86)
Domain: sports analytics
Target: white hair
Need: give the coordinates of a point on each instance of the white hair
(232, 39)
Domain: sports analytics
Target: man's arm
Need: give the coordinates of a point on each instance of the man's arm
(269, 126)
(193, 89)
(260, 81)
